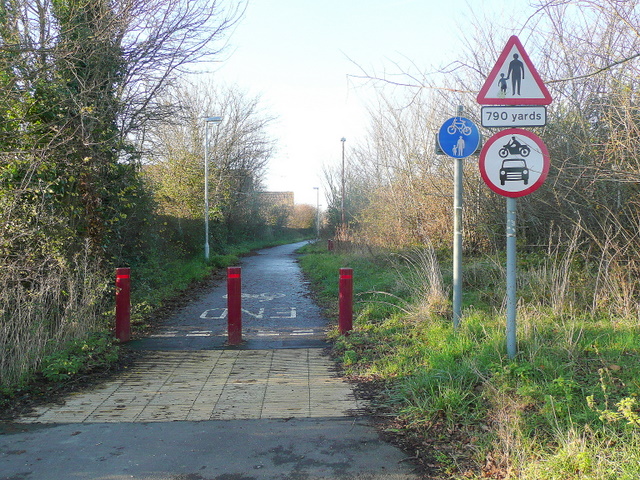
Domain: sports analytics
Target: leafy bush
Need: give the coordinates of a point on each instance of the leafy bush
(79, 356)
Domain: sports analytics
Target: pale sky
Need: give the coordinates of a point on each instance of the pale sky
(297, 55)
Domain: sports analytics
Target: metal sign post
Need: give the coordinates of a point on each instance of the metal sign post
(513, 163)
(512, 299)
(457, 243)
(458, 138)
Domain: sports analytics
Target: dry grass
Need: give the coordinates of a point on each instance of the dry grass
(44, 308)
(423, 280)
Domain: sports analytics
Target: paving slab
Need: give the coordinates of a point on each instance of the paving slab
(222, 385)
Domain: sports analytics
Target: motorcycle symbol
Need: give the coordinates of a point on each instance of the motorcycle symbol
(514, 147)
(459, 125)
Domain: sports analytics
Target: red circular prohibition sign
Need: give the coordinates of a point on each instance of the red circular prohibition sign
(514, 144)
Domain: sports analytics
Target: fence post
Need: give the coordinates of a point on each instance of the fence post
(123, 304)
(234, 305)
(345, 322)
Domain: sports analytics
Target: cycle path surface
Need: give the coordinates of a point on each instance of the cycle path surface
(277, 310)
(192, 409)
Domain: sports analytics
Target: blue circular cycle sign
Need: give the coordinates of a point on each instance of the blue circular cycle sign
(459, 137)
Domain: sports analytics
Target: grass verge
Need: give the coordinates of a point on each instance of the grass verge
(565, 408)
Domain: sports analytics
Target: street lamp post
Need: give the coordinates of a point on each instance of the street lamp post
(317, 189)
(207, 121)
(342, 195)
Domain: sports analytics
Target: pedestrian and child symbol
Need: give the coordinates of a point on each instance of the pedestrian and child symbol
(515, 72)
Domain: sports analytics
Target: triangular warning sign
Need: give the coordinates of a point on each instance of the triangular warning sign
(514, 80)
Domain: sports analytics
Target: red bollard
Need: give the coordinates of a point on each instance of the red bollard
(123, 304)
(345, 321)
(234, 305)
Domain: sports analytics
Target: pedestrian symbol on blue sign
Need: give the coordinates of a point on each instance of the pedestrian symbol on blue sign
(459, 137)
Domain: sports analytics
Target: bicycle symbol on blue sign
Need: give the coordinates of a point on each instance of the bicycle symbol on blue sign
(459, 137)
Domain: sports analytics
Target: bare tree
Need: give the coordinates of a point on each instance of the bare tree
(161, 41)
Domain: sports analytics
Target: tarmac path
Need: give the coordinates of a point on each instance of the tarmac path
(278, 311)
(193, 409)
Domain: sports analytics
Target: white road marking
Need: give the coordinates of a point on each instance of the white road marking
(291, 313)
(254, 315)
(209, 333)
(261, 297)
(268, 334)
(222, 313)
(200, 333)
(206, 316)
(302, 332)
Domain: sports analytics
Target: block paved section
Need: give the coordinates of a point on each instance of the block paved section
(212, 385)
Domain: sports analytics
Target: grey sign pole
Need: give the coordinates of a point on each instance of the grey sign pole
(458, 138)
(511, 278)
(457, 238)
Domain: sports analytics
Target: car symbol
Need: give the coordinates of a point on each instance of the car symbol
(514, 170)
